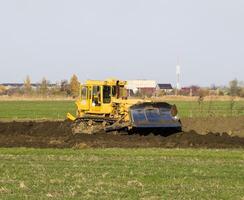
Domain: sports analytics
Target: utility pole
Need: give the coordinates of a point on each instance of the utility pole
(177, 76)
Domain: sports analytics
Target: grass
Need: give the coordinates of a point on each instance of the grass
(121, 174)
(35, 109)
(210, 108)
(58, 109)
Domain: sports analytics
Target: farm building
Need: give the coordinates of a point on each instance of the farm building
(165, 88)
(21, 85)
(144, 87)
(12, 85)
(191, 91)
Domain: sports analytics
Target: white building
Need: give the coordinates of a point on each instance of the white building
(144, 87)
(135, 85)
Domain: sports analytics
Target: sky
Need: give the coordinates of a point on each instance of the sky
(124, 39)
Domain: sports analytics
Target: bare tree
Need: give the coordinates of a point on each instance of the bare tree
(74, 86)
(2, 89)
(44, 87)
(27, 86)
(65, 87)
(234, 89)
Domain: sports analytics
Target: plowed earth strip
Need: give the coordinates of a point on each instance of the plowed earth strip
(51, 134)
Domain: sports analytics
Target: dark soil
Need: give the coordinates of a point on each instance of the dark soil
(58, 135)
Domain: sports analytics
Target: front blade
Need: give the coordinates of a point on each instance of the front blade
(153, 115)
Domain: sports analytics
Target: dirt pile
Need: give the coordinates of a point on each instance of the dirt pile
(58, 135)
(232, 125)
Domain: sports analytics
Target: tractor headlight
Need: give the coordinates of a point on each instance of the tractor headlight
(176, 117)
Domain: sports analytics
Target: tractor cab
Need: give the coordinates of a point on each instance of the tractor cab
(96, 97)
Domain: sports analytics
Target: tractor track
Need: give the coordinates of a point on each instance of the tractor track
(197, 133)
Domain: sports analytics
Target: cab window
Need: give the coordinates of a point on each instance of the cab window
(114, 91)
(83, 93)
(106, 94)
(96, 95)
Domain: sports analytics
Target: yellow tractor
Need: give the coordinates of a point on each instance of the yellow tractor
(104, 106)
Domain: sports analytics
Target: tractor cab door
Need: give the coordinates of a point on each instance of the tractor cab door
(106, 94)
(84, 97)
(107, 106)
(95, 103)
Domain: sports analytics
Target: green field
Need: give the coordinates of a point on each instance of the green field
(210, 108)
(121, 174)
(58, 109)
(35, 109)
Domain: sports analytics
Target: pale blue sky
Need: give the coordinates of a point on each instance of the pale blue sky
(127, 39)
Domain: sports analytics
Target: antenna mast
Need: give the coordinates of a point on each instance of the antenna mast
(177, 75)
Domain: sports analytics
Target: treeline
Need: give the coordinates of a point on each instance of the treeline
(70, 88)
(236, 88)
(44, 88)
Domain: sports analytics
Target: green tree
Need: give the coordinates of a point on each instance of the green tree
(74, 86)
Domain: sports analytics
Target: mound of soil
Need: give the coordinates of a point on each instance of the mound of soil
(232, 125)
(58, 135)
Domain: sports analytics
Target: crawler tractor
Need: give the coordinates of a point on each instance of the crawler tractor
(104, 106)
